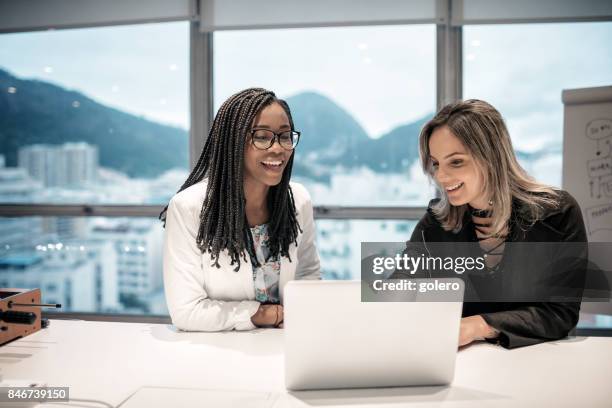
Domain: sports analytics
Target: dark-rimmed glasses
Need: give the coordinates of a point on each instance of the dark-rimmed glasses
(263, 139)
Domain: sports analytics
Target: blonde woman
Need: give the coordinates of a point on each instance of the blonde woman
(487, 197)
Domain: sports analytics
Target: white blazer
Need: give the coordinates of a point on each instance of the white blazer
(202, 297)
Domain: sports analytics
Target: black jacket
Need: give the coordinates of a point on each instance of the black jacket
(520, 323)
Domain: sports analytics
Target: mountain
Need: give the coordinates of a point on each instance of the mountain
(331, 137)
(329, 132)
(395, 151)
(40, 112)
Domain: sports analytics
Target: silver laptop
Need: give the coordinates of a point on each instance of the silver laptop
(334, 340)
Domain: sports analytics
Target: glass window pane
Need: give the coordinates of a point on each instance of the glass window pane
(113, 265)
(595, 321)
(97, 115)
(359, 95)
(339, 243)
(522, 69)
(88, 264)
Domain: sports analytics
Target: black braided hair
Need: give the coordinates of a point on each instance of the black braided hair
(223, 223)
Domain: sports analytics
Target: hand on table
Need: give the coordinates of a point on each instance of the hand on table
(474, 328)
(268, 316)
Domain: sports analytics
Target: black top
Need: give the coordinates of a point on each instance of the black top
(519, 323)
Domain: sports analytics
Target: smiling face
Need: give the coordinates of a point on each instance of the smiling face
(266, 167)
(455, 170)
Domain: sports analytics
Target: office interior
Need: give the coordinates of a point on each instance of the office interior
(105, 107)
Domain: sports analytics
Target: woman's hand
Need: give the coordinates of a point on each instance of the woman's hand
(474, 328)
(268, 316)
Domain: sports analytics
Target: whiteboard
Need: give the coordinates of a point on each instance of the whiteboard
(587, 156)
(587, 168)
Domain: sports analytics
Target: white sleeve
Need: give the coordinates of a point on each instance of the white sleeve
(188, 303)
(308, 266)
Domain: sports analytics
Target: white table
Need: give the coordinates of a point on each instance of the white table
(149, 365)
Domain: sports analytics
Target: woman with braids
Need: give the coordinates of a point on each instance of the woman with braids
(531, 236)
(238, 230)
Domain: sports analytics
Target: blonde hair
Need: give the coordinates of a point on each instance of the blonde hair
(481, 129)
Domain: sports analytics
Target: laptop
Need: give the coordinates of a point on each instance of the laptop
(334, 340)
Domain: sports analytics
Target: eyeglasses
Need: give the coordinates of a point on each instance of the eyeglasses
(263, 139)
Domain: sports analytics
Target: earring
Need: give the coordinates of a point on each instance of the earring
(491, 203)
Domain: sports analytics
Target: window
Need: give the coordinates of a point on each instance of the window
(339, 243)
(89, 255)
(101, 116)
(96, 115)
(359, 95)
(522, 69)
(101, 276)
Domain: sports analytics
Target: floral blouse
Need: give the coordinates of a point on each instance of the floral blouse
(266, 276)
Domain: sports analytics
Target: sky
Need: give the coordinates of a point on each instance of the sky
(522, 70)
(383, 75)
(141, 69)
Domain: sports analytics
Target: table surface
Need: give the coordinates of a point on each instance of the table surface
(128, 365)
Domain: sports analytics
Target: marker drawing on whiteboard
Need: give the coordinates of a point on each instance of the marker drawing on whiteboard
(600, 168)
(599, 218)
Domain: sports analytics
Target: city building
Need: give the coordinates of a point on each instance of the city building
(16, 186)
(137, 243)
(82, 276)
(66, 165)
(70, 283)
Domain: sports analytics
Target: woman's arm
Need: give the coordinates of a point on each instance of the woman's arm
(537, 322)
(308, 266)
(188, 303)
